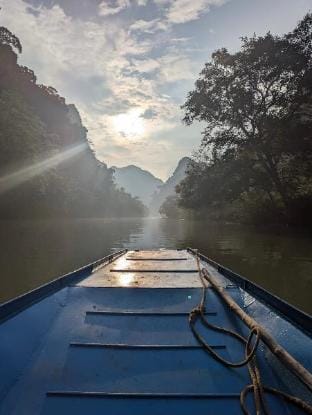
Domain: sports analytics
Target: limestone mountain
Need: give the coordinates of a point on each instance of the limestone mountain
(137, 182)
(168, 188)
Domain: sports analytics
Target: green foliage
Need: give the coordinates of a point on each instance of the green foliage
(170, 208)
(7, 38)
(36, 126)
(257, 108)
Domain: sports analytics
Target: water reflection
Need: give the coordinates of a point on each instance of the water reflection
(35, 252)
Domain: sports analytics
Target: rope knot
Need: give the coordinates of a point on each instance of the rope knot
(194, 313)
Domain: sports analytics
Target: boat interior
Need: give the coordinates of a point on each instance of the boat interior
(114, 338)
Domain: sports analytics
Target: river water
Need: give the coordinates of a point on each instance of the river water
(34, 252)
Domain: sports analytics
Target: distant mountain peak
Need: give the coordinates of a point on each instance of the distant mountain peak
(136, 181)
(132, 167)
(150, 189)
(184, 160)
(181, 167)
(168, 188)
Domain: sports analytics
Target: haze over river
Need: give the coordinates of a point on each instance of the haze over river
(34, 252)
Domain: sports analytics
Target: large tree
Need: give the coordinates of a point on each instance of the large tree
(257, 103)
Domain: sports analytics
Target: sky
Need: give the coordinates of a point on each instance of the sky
(128, 65)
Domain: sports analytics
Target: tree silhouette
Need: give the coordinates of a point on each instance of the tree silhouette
(8, 38)
(256, 107)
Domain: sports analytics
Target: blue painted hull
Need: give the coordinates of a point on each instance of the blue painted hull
(71, 348)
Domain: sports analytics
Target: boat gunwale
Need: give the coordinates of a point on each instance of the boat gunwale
(299, 318)
(17, 304)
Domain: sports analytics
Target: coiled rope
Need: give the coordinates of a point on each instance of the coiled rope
(250, 356)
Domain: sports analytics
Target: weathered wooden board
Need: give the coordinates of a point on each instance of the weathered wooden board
(148, 269)
(123, 263)
(159, 254)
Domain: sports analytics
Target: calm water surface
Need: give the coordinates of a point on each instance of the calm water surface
(34, 252)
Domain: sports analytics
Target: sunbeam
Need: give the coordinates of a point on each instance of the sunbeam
(23, 175)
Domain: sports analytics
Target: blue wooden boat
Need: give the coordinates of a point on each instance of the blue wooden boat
(119, 337)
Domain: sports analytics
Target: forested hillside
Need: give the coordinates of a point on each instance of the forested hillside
(255, 162)
(47, 167)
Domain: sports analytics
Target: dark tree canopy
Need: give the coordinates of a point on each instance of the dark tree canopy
(256, 105)
(7, 38)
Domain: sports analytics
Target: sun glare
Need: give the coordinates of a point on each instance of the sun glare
(130, 124)
(35, 169)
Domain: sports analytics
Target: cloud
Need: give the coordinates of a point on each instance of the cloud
(108, 69)
(148, 26)
(175, 12)
(176, 67)
(145, 65)
(110, 7)
(142, 2)
(149, 114)
(182, 11)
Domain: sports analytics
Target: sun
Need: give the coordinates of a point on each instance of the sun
(130, 124)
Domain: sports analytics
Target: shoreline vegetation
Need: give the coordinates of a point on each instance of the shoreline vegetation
(255, 161)
(47, 166)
